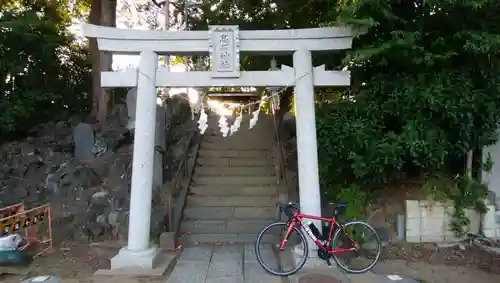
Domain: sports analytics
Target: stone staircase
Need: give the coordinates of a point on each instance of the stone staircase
(233, 192)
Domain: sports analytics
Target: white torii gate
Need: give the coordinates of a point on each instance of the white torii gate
(223, 44)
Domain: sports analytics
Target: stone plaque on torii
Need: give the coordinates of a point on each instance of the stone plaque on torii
(224, 49)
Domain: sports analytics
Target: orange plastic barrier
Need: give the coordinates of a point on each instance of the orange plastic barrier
(35, 225)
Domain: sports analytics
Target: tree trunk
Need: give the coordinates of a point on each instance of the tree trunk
(468, 163)
(108, 18)
(95, 19)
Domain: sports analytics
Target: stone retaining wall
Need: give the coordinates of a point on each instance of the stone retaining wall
(84, 171)
(429, 221)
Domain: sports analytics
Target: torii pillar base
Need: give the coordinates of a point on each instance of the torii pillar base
(154, 263)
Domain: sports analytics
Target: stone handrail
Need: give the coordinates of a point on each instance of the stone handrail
(178, 187)
(280, 167)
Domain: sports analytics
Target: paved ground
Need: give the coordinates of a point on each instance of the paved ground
(238, 264)
(221, 264)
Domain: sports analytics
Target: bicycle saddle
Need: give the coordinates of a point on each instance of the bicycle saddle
(342, 205)
(340, 208)
(289, 209)
(286, 205)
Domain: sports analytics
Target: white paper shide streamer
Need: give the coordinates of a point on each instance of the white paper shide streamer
(196, 106)
(255, 117)
(223, 125)
(203, 121)
(255, 114)
(236, 125)
(227, 130)
(275, 99)
(192, 107)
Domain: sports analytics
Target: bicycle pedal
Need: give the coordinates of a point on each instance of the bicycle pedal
(328, 262)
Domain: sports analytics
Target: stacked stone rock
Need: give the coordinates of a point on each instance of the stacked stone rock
(84, 171)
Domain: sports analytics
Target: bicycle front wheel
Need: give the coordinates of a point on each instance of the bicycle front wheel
(275, 260)
(365, 256)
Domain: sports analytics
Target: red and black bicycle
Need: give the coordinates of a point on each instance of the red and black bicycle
(341, 241)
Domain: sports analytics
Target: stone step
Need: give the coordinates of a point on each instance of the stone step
(235, 171)
(224, 227)
(197, 239)
(246, 144)
(256, 153)
(231, 190)
(234, 180)
(235, 200)
(244, 126)
(230, 213)
(235, 161)
(244, 123)
(236, 146)
(244, 136)
(261, 135)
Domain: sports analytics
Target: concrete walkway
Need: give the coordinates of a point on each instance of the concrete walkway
(221, 264)
(238, 264)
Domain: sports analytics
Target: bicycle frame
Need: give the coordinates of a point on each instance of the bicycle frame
(298, 219)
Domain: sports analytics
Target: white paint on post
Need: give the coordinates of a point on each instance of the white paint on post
(131, 103)
(143, 157)
(138, 252)
(160, 140)
(307, 153)
(323, 77)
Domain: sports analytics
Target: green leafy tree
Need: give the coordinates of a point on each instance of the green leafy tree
(255, 15)
(43, 73)
(425, 90)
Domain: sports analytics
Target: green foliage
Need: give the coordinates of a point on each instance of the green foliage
(175, 60)
(425, 90)
(43, 73)
(354, 195)
(488, 163)
(464, 192)
(256, 15)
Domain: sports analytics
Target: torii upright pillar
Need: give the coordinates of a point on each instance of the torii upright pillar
(307, 147)
(139, 252)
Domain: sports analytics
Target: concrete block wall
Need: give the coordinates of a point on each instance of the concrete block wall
(428, 221)
(491, 229)
(492, 179)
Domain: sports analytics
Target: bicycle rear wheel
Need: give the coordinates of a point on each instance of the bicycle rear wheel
(281, 262)
(362, 259)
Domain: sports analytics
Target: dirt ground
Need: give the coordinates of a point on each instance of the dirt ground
(77, 263)
(74, 264)
(66, 261)
(430, 264)
(435, 273)
(462, 255)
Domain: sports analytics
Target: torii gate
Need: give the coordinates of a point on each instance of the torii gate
(223, 44)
